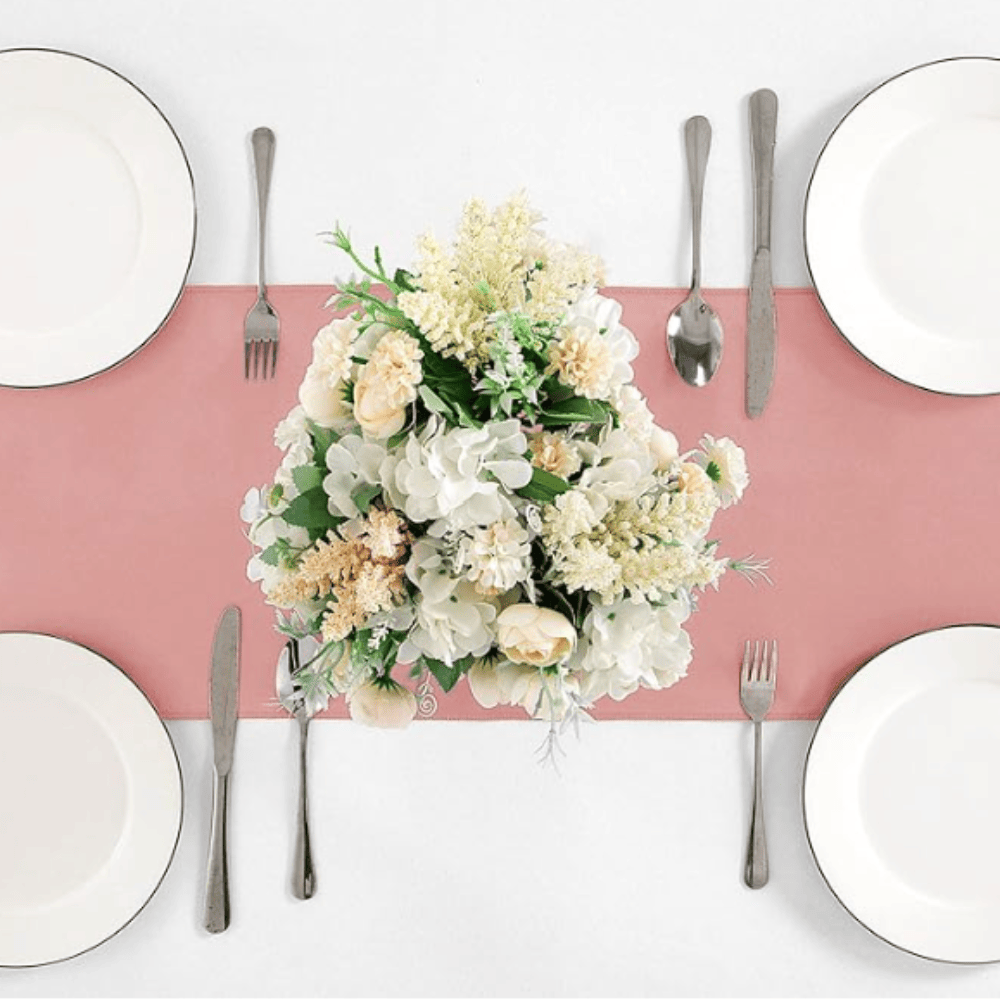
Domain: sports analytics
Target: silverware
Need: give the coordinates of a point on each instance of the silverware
(261, 327)
(294, 700)
(757, 680)
(761, 332)
(223, 705)
(694, 331)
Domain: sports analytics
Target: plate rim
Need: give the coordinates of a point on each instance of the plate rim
(181, 802)
(805, 773)
(67, 54)
(805, 239)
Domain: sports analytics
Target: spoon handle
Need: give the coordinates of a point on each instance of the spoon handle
(698, 141)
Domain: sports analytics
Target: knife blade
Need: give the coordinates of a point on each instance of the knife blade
(761, 325)
(223, 705)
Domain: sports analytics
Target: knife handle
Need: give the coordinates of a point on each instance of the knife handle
(763, 131)
(217, 885)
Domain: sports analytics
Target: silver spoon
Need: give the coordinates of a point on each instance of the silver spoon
(694, 332)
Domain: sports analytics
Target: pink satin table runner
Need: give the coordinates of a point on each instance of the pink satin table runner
(876, 502)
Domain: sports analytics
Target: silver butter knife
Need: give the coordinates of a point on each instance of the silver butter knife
(295, 701)
(761, 329)
(223, 704)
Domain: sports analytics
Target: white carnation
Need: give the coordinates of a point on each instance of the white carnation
(332, 350)
(726, 466)
(629, 645)
(495, 558)
(634, 413)
(593, 351)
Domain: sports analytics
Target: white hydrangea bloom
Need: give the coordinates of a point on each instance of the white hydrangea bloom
(452, 619)
(620, 467)
(459, 474)
(264, 533)
(542, 694)
(352, 462)
(629, 645)
(726, 465)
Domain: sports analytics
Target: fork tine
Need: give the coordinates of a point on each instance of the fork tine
(772, 672)
(745, 672)
(274, 357)
(758, 659)
(246, 359)
(256, 357)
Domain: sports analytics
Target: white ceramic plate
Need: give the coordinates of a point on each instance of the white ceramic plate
(91, 793)
(901, 226)
(902, 794)
(97, 214)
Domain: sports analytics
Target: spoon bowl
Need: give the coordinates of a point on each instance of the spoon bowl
(694, 340)
(694, 331)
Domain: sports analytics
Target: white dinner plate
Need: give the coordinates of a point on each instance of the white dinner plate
(901, 224)
(97, 214)
(91, 793)
(902, 794)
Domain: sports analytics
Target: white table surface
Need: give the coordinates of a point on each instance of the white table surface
(449, 862)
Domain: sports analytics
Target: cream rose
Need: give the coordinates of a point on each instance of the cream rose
(378, 412)
(535, 636)
(384, 705)
(324, 404)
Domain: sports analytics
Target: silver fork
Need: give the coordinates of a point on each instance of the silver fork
(757, 679)
(260, 330)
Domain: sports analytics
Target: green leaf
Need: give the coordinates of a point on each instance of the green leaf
(307, 477)
(403, 280)
(309, 510)
(465, 415)
(322, 438)
(575, 410)
(543, 486)
(447, 676)
(271, 556)
(363, 494)
(435, 403)
(397, 439)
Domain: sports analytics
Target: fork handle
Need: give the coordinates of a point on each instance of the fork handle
(303, 873)
(755, 873)
(262, 141)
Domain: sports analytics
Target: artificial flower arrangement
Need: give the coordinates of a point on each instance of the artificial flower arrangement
(473, 487)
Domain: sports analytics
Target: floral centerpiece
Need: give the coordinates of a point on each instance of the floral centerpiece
(473, 487)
